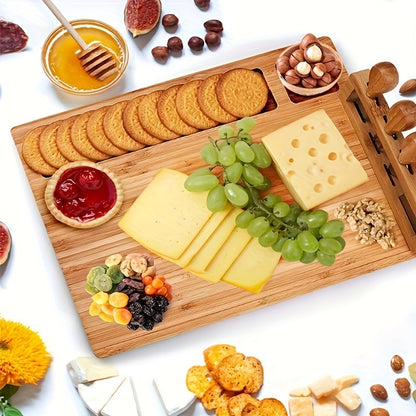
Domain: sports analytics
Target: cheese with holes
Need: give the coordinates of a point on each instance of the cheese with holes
(313, 160)
(165, 218)
(253, 267)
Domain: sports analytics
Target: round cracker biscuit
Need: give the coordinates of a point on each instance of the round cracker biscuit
(48, 148)
(31, 153)
(242, 92)
(114, 128)
(150, 120)
(132, 123)
(189, 109)
(97, 136)
(208, 101)
(80, 140)
(64, 143)
(166, 108)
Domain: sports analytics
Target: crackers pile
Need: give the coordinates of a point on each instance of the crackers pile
(146, 120)
(229, 381)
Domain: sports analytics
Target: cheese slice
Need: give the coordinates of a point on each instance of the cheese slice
(87, 369)
(165, 218)
(313, 160)
(210, 249)
(254, 266)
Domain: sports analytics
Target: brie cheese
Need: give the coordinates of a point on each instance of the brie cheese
(87, 369)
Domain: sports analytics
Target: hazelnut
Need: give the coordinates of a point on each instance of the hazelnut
(169, 20)
(202, 3)
(175, 44)
(303, 69)
(213, 25)
(313, 53)
(403, 387)
(196, 43)
(379, 411)
(295, 57)
(307, 40)
(397, 363)
(318, 70)
(282, 64)
(212, 39)
(292, 77)
(160, 52)
(309, 82)
(379, 392)
(325, 80)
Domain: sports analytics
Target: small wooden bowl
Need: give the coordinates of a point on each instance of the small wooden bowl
(308, 92)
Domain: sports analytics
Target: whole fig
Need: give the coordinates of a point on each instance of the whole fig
(5, 243)
(141, 16)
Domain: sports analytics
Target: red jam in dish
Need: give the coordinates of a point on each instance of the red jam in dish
(85, 193)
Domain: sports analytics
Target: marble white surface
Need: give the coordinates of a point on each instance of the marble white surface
(352, 327)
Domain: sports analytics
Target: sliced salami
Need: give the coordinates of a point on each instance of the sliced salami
(12, 37)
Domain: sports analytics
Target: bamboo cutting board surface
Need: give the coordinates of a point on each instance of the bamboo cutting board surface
(196, 302)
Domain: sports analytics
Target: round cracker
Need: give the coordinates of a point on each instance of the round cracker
(48, 148)
(64, 143)
(208, 100)
(166, 108)
(150, 120)
(242, 92)
(97, 136)
(114, 128)
(31, 153)
(132, 123)
(189, 109)
(80, 140)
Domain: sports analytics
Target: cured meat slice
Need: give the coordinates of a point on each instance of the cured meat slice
(12, 37)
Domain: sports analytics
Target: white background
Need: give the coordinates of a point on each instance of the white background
(352, 327)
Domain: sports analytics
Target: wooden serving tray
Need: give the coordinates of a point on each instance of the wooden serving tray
(197, 302)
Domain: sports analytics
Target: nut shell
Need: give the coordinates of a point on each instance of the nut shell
(307, 40)
(292, 77)
(282, 64)
(309, 82)
(295, 57)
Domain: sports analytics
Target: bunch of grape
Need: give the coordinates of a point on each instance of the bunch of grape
(298, 235)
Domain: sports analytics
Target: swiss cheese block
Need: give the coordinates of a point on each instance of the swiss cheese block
(313, 160)
(254, 266)
(165, 218)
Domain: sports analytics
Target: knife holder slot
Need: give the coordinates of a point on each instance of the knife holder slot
(369, 117)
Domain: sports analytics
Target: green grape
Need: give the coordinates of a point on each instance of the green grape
(258, 226)
(317, 218)
(245, 137)
(329, 246)
(200, 183)
(226, 155)
(201, 171)
(252, 175)
(325, 259)
(277, 246)
(245, 124)
(341, 241)
(270, 200)
(262, 157)
(266, 184)
(216, 199)
(209, 154)
(236, 194)
(307, 242)
(269, 238)
(234, 172)
(243, 152)
(225, 132)
(244, 218)
(291, 250)
(301, 220)
(333, 228)
(281, 209)
(308, 258)
(295, 210)
(315, 232)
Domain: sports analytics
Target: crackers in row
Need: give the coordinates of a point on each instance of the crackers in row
(146, 120)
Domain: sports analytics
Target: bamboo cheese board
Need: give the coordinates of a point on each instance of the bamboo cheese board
(197, 302)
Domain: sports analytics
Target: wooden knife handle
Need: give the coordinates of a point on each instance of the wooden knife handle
(401, 117)
(383, 78)
(407, 153)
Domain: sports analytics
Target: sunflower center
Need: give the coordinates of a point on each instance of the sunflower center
(3, 345)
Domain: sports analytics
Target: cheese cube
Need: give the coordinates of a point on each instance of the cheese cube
(300, 392)
(346, 381)
(325, 407)
(165, 218)
(325, 386)
(313, 160)
(349, 398)
(300, 406)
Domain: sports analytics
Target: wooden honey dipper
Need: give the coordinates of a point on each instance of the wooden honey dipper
(95, 58)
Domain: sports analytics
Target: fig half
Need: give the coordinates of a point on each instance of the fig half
(141, 16)
(5, 243)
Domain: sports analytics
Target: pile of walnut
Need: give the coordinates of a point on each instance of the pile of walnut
(228, 383)
(367, 218)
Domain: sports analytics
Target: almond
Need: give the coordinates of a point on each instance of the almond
(408, 87)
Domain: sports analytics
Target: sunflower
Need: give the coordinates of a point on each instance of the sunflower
(23, 355)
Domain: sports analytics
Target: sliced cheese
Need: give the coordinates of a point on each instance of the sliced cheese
(210, 249)
(165, 218)
(325, 407)
(87, 369)
(313, 160)
(300, 406)
(254, 266)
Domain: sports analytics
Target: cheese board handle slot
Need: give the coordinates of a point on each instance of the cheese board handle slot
(383, 78)
(401, 117)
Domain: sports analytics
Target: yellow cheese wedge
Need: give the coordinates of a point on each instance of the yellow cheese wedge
(165, 218)
(313, 160)
(210, 249)
(254, 266)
